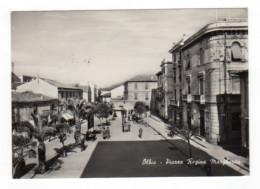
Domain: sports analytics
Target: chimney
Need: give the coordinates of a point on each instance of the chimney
(183, 39)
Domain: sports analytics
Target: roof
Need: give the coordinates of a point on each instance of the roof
(59, 84)
(159, 73)
(29, 96)
(107, 95)
(15, 78)
(16, 84)
(224, 25)
(144, 77)
(112, 87)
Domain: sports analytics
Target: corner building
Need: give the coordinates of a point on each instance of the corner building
(206, 84)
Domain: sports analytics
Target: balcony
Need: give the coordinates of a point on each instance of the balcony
(184, 97)
(175, 103)
(199, 98)
(189, 98)
(202, 99)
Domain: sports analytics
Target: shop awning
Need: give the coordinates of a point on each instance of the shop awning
(67, 116)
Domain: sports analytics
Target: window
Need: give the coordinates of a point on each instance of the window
(188, 65)
(180, 74)
(236, 53)
(180, 94)
(35, 109)
(146, 96)
(174, 75)
(201, 85)
(188, 85)
(135, 85)
(146, 85)
(174, 58)
(175, 95)
(201, 56)
(136, 96)
(235, 80)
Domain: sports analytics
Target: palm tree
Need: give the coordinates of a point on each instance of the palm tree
(37, 129)
(81, 110)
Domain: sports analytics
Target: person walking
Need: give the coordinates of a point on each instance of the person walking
(104, 133)
(108, 132)
(42, 157)
(207, 168)
(140, 133)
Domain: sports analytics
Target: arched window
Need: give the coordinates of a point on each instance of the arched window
(236, 53)
(201, 56)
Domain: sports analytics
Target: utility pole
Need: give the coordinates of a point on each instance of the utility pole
(225, 87)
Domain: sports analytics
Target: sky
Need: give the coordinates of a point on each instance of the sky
(103, 47)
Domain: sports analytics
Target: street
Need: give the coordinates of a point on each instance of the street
(127, 155)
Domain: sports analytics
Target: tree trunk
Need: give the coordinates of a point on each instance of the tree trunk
(189, 148)
(63, 149)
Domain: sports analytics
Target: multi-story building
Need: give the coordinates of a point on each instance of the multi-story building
(164, 89)
(204, 84)
(139, 88)
(243, 75)
(176, 112)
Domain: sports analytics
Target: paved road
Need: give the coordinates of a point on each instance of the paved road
(126, 155)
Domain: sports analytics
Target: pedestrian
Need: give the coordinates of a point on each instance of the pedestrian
(41, 157)
(108, 132)
(140, 133)
(129, 127)
(104, 133)
(82, 141)
(123, 124)
(207, 168)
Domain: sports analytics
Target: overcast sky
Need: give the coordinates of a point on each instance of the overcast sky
(104, 47)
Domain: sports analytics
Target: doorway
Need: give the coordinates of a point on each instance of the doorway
(202, 122)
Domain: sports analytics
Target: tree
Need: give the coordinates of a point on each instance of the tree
(62, 130)
(187, 133)
(81, 110)
(140, 108)
(103, 110)
(39, 130)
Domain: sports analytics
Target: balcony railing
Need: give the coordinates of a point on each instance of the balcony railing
(196, 97)
(202, 99)
(176, 103)
(189, 98)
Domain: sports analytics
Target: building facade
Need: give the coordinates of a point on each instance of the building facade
(164, 89)
(206, 92)
(26, 103)
(139, 88)
(51, 88)
(244, 111)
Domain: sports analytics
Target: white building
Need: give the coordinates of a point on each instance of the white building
(112, 92)
(51, 88)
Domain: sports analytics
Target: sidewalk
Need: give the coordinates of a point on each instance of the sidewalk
(68, 169)
(213, 150)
